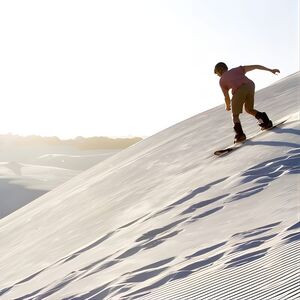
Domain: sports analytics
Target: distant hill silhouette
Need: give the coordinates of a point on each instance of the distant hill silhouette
(89, 143)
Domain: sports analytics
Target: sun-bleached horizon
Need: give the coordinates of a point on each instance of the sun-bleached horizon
(131, 68)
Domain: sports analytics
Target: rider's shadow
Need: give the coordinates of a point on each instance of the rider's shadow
(279, 143)
(286, 130)
(274, 144)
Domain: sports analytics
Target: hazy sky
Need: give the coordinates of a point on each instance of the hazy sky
(132, 67)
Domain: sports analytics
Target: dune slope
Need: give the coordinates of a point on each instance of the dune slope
(165, 219)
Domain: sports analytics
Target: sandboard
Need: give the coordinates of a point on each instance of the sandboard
(233, 147)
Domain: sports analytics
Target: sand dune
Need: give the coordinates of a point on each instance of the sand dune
(166, 219)
(26, 176)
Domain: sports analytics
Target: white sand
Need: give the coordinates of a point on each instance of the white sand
(165, 219)
(28, 172)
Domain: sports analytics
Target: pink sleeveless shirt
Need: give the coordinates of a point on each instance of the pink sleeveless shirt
(233, 79)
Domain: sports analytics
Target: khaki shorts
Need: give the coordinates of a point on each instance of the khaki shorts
(244, 95)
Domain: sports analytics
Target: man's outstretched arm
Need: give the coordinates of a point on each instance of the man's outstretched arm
(259, 67)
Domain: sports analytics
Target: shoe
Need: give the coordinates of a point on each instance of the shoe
(239, 138)
(264, 126)
(263, 120)
(240, 135)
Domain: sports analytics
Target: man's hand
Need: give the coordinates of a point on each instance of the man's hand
(274, 71)
(227, 107)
